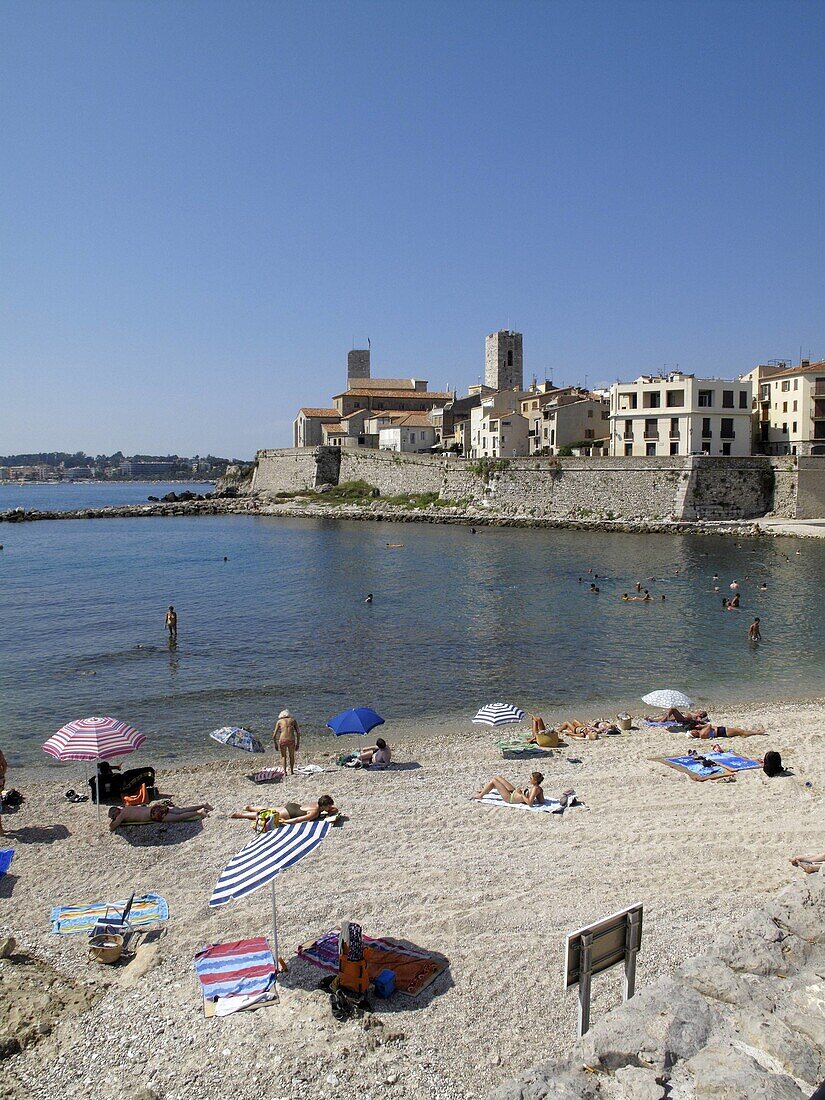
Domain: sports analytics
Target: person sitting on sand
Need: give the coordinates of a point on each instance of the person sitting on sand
(268, 817)
(809, 864)
(708, 732)
(378, 755)
(158, 812)
(673, 714)
(529, 796)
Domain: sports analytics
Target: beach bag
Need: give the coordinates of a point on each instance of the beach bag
(139, 799)
(131, 780)
(110, 784)
(773, 764)
(266, 820)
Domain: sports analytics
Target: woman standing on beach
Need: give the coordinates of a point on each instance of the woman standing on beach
(287, 737)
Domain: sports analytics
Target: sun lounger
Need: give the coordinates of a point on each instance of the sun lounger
(70, 920)
(549, 806)
(235, 976)
(414, 968)
(697, 770)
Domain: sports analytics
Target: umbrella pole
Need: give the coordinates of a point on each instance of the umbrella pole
(274, 928)
(97, 788)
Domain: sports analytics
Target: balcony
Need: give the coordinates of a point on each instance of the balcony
(651, 433)
(628, 437)
(675, 434)
(819, 387)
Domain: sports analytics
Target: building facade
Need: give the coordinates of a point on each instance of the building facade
(412, 433)
(504, 361)
(566, 418)
(498, 428)
(680, 414)
(307, 428)
(789, 417)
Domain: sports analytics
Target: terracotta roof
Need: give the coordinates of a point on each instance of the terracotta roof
(383, 383)
(812, 368)
(415, 420)
(331, 413)
(333, 429)
(401, 395)
(358, 412)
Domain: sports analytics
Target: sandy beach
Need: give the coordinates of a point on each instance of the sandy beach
(494, 889)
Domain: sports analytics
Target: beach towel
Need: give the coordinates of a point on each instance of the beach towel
(6, 856)
(693, 767)
(733, 762)
(515, 750)
(549, 806)
(70, 920)
(243, 969)
(414, 968)
(674, 727)
(267, 775)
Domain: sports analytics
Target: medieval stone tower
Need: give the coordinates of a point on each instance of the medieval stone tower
(504, 361)
(358, 365)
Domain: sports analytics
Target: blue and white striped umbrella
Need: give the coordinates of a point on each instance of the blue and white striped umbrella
(237, 738)
(498, 714)
(261, 860)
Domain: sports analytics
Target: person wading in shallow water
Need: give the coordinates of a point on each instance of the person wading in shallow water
(172, 623)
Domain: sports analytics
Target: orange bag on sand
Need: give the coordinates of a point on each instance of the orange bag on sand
(138, 799)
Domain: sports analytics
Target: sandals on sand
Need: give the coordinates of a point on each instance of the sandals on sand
(73, 796)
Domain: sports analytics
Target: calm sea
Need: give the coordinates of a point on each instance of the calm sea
(457, 620)
(68, 496)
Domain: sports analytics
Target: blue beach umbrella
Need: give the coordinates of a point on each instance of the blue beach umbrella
(237, 738)
(355, 720)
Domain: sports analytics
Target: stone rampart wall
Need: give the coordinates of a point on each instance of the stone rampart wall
(701, 488)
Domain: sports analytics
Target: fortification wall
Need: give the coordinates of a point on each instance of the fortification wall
(698, 487)
(811, 490)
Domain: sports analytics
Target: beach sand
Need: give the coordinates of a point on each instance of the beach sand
(495, 889)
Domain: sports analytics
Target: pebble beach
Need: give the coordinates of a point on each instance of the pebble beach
(496, 890)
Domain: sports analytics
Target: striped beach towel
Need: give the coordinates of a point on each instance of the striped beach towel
(241, 969)
(69, 920)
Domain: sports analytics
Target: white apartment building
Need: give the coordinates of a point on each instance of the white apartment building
(790, 408)
(679, 414)
(411, 432)
(498, 428)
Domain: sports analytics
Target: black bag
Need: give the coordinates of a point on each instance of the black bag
(131, 780)
(110, 783)
(773, 765)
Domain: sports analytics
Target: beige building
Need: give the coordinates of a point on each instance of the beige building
(498, 428)
(307, 429)
(789, 415)
(680, 414)
(564, 418)
(412, 432)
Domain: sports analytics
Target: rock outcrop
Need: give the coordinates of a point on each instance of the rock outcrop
(747, 1020)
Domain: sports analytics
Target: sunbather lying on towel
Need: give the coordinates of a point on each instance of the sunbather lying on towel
(527, 797)
(585, 731)
(708, 732)
(267, 818)
(809, 864)
(673, 714)
(157, 811)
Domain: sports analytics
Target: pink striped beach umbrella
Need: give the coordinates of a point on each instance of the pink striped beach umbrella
(94, 739)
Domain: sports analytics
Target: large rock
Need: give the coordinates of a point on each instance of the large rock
(722, 1072)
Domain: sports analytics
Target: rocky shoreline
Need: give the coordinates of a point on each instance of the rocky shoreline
(377, 512)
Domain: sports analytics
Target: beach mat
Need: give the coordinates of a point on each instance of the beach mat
(414, 968)
(71, 920)
(519, 750)
(674, 727)
(689, 765)
(549, 806)
(236, 975)
(733, 762)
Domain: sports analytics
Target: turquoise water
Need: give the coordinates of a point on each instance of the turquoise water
(68, 496)
(457, 620)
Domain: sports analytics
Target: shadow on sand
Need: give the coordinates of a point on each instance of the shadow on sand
(154, 835)
(39, 834)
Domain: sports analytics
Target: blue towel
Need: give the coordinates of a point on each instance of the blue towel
(69, 920)
(6, 856)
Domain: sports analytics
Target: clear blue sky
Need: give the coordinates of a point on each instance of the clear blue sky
(204, 203)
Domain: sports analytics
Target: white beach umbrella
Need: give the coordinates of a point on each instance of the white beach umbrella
(498, 714)
(667, 698)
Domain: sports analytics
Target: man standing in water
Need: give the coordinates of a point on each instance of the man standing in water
(754, 633)
(172, 623)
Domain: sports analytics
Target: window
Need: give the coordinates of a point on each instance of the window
(628, 400)
(727, 431)
(785, 428)
(794, 406)
(705, 399)
(589, 433)
(706, 427)
(727, 399)
(628, 448)
(552, 437)
(605, 414)
(726, 448)
(628, 429)
(674, 425)
(674, 447)
(796, 383)
(675, 399)
(784, 406)
(510, 358)
(650, 449)
(786, 386)
(743, 399)
(652, 400)
(705, 448)
(412, 437)
(793, 427)
(652, 429)
(589, 414)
